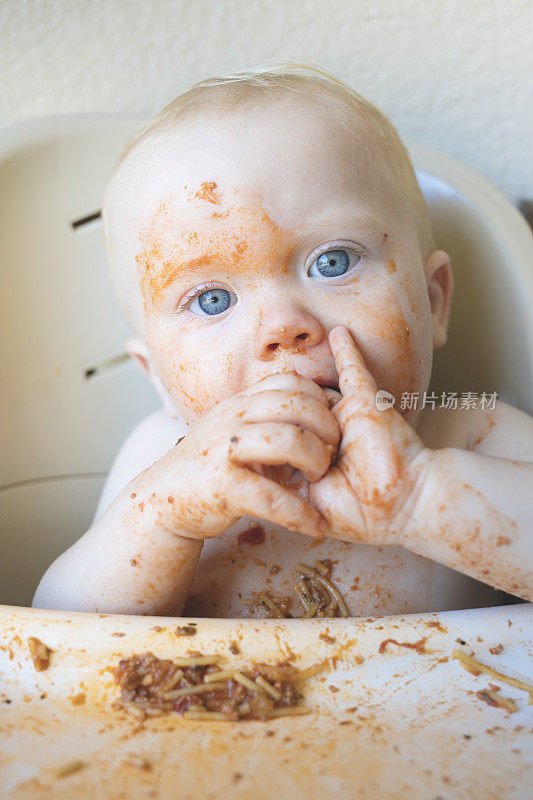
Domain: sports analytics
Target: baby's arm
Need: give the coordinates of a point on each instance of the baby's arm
(78, 574)
(473, 509)
(140, 556)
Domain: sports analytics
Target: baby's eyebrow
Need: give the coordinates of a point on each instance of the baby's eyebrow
(334, 228)
(199, 263)
(337, 226)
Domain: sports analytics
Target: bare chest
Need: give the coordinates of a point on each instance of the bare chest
(256, 556)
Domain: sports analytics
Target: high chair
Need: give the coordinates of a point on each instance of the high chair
(405, 722)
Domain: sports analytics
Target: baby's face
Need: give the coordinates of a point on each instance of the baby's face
(257, 234)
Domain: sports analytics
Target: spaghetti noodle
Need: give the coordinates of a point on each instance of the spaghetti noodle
(318, 595)
(476, 667)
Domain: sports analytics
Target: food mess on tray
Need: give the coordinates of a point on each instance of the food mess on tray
(196, 687)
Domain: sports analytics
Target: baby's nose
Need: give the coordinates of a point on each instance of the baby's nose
(298, 334)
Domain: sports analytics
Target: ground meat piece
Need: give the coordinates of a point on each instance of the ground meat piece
(237, 691)
(289, 695)
(254, 535)
(261, 705)
(40, 653)
(186, 630)
(228, 707)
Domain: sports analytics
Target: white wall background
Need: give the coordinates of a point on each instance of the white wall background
(453, 74)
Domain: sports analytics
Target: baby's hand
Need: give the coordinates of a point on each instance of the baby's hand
(379, 461)
(216, 473)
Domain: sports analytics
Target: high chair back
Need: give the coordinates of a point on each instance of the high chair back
(70, 395)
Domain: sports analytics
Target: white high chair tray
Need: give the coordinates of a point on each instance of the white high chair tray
(396, 724)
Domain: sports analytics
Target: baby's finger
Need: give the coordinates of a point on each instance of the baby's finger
(279, 443)
(354, 377)
(260, 497)
(287, 381)
(335, 499)
(333, 397)
(295, 408)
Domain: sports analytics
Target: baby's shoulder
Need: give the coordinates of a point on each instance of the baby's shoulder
(150, 440)
(146, 444)
(499, 430)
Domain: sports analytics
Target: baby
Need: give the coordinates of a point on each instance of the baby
(273, 254)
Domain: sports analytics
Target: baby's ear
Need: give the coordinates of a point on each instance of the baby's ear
(439, 279)
(143, 358)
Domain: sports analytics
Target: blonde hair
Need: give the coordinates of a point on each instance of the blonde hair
(390, 161)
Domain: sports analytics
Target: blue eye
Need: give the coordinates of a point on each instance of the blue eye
(213, 302)
(333, 263)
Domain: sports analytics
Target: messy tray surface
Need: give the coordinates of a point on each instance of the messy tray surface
(387, 720)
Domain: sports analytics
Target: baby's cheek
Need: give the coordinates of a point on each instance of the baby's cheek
(394, 335)
(195, 381)
(394, 350)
